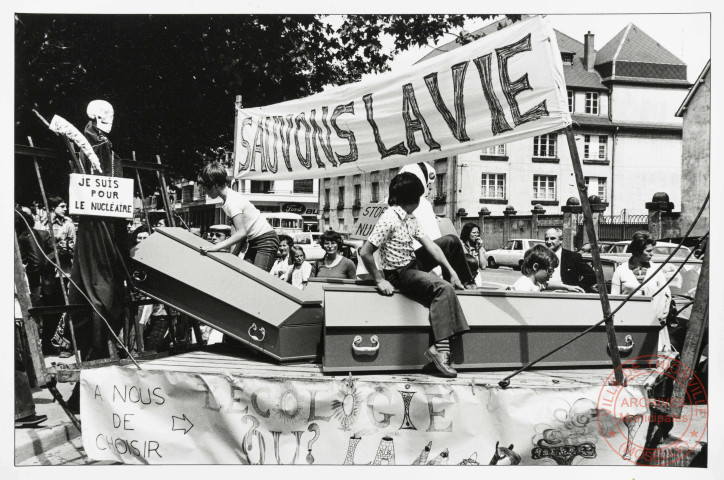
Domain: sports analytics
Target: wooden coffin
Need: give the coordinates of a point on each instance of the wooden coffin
(365, 331)
(230, 295)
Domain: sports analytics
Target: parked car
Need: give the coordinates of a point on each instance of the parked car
(603, 247)
(661, 248)
(312, 249)
(511, 254)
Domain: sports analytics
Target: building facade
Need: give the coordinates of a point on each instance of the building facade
(623, 99)
(696, 113)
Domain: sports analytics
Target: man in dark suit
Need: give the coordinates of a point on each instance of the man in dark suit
(572, 272)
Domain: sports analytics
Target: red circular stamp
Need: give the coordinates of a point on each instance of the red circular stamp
(646, 430)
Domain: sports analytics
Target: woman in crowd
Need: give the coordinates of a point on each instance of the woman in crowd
(299, 274)
(249, 224)
(334, 264)
(284, 262)
(629, 275)
(474, 250)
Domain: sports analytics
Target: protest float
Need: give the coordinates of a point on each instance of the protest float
(334, 374)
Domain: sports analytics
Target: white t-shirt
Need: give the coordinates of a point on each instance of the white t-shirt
(299, 277)
(524, 284)
(254, 223)
(556, 276)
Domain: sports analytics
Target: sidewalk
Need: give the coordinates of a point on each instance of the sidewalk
(56, 430)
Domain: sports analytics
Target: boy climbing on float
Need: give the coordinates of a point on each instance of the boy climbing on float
(393, 236)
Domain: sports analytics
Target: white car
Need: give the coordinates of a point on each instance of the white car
(312, 249)
(511, 254)
(661, 248)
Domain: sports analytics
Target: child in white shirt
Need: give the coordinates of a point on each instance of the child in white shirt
(299, 275)
(539, 263)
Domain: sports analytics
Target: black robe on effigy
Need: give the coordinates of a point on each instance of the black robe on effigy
(98, 267)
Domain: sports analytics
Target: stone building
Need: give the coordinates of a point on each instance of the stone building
(623, 99)
(695, 158)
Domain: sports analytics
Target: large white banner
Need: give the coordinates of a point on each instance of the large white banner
(504, 87)
(164, 417)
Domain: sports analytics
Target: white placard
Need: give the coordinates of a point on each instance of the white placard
(504, 87)
(100, 196)
(368, 218)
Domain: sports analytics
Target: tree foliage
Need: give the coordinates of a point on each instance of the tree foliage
(173, 78)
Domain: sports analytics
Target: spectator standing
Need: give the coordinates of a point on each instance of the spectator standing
(572, 273)
(284, 261)
(629, 275)
(299, 274)
(249, 224)
(63, 230)
(333, 264)
(474, 250)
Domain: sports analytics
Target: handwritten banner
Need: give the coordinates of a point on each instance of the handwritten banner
(101, 196)
(504, 87)
(163, 417)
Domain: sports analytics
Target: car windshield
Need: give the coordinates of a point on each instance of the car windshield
(533, 243)
(681, 253)
(302, 239)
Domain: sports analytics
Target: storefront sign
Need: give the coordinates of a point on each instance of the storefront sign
(499, 89)
(100, 196)
(294, 208)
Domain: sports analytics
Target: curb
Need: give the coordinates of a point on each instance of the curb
(30, 442)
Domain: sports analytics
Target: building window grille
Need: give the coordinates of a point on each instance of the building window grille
(440, 185)
(492, 186)
(496, 150)
(303, 186)
(571, 101)
(375, 192)
(544, 187)
(592, 103)
(544, 145)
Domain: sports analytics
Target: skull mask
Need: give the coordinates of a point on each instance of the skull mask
(425, 172)
(102, 112)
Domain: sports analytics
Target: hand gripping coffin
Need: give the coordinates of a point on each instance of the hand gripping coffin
(230, 295)
(365, 331)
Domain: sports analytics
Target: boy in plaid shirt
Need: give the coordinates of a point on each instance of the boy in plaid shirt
(393, 236)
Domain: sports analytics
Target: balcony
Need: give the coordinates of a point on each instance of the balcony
(326, 208)
(340, 206)
(356, 205)
(439, 199)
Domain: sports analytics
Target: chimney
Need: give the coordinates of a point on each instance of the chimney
(589, 54)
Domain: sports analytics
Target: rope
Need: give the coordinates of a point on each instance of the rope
(506, 381)
(80, 291)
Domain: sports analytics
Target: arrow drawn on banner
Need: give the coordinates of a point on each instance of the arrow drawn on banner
(183, 423)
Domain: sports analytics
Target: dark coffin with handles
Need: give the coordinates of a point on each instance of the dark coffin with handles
(229, 294)
(365, 331)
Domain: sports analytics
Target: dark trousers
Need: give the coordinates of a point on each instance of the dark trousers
(446, 314)
(453, 250)
(262, 250)
(24, 404)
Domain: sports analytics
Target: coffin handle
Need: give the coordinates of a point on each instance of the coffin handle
(139, 276)
(254, 337)
(624, 350)
(365, 350)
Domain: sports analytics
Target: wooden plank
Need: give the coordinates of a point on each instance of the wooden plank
(164, 193)
(29, 332)
(691, 351)
(31, 151)
(143, 198)
(591, 231)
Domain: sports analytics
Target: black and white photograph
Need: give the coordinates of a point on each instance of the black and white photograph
(365, 235)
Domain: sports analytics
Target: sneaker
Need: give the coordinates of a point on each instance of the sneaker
(30, 421)
(442, 361)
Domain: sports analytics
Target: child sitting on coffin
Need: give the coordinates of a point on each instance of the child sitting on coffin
(393, 235)
(539, 263)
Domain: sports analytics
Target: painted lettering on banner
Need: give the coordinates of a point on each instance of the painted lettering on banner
(504, 87)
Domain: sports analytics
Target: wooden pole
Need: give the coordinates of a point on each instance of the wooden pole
(55, 248)
(591, 231)
(143, 198)
(698, 321)
(33, 358)
(164, 194)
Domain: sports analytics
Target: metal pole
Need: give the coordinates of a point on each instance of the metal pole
(164, 194)
(591, 231)
(143, 198)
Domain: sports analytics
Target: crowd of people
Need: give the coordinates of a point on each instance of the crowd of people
(405, 251)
